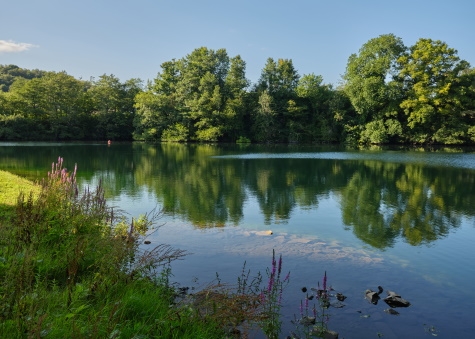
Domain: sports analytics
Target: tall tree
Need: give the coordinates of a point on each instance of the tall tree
(53, 104)
(235, 86)
(264, 119)
(316, 119)
(372, 86)
(198, 97)
(114, 106)
(159, 108)
(433, 77)
(204, 74)
(279, 80)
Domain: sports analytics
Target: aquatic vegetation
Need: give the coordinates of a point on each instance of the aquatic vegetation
(313, 320)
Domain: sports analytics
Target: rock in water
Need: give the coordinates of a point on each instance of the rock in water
(340, 297)
(307, 321)
(391, 311)
(373, 296)
(394, 300)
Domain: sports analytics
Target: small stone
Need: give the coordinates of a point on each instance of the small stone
(307, 321)
(340, 297)
(391, 311)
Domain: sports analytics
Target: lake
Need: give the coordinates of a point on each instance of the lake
(399, 218)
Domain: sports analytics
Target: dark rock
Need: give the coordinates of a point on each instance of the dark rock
(394, 300)
(340, 297)
(326, 334)
(307, 321)
(373, 296)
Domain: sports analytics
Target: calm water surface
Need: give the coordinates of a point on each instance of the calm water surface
(402, 219)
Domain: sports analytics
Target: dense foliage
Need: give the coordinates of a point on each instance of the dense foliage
(390, 93)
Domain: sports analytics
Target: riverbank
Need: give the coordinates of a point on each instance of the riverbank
(66, 273)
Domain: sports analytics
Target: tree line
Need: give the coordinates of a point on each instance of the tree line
(390, 93)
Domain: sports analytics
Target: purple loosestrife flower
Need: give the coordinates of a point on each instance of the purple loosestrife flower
(325, 281)
(280, 265)
(272, 275)
(271, 282)
(262, 297)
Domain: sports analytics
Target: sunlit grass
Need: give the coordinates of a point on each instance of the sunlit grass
(11, 185)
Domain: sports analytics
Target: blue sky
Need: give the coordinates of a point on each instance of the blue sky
(131, 39)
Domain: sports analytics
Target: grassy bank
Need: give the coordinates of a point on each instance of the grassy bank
(10, 188)
(71, 267)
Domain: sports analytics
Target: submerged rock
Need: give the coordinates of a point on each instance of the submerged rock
(395, 300)
(337, 304)
(326, 334)
(340, 297)
(373, 296)
(307, 321)
(391, 311)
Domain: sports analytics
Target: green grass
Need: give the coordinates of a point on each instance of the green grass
(10, 187)
(70, 268)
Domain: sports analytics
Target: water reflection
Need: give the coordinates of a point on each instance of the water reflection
(383, 196)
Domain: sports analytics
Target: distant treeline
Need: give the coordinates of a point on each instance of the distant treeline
(390, 93)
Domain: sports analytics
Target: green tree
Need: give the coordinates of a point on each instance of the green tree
(204, 74)
(235, 108)
(371, 84)
(158, 115)
(437, 92)
(199, 97)
(114, 106)
(279, 80)
(316, 120)
(9, 73)
(53, 105)
(265, 119)
(468, 101)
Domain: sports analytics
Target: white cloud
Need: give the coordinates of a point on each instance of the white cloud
(8, 46)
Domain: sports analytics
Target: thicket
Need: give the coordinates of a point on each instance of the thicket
(390, 93)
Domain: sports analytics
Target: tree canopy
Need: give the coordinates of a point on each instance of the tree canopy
(390, 93)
